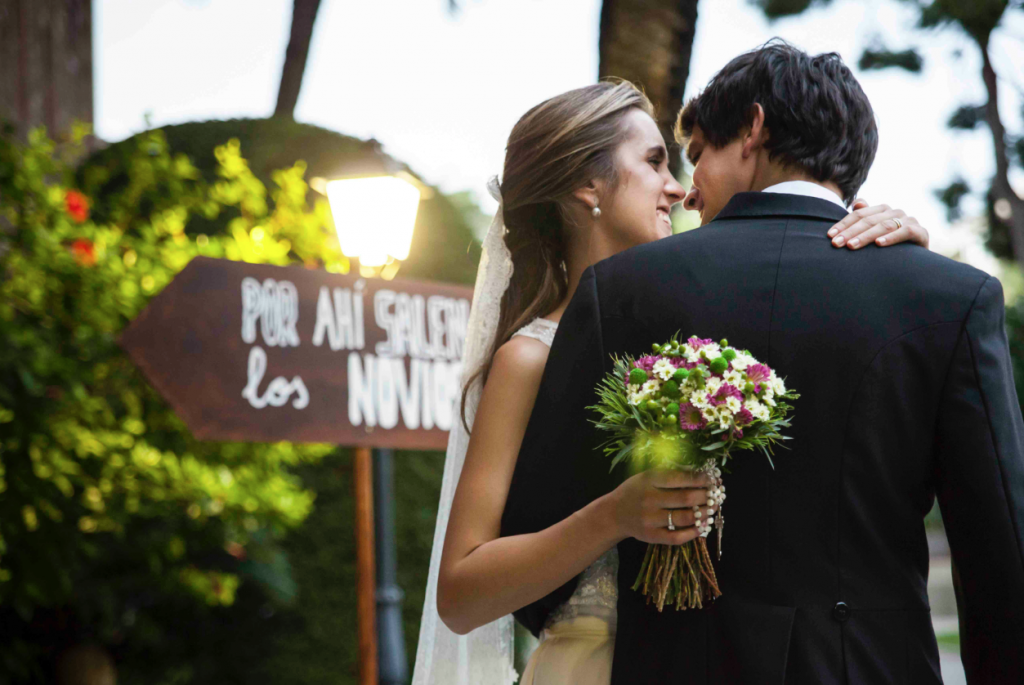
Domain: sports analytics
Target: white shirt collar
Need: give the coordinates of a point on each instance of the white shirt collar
(805, 188)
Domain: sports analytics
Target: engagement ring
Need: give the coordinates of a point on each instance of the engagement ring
(671, 526)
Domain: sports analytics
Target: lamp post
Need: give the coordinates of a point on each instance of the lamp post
(374, 205)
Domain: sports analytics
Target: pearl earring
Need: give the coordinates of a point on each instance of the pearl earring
(596, 213)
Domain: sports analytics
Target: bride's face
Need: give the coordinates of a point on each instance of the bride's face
(638, 209)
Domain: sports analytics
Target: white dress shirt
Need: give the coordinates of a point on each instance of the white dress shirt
(805, 188)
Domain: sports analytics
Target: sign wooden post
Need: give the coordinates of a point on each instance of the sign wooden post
(260, 353)
(366, 590)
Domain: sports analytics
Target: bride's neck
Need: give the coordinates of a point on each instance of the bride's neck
(580, 254)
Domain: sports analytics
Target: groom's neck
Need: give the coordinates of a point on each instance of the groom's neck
(773, 174)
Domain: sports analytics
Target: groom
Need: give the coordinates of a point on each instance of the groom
(901, 361)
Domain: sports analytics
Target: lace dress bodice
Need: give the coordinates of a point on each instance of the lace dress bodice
(597, 592)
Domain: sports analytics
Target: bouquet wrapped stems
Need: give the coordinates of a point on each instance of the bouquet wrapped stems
(678, 574)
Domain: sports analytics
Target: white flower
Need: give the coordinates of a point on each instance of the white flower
(663, 369)
(742, 361)
(709, 414)
(652, 386)
(714, 384)
(734, 377)
(632, 388)
(636, 398)
(713, 350)
(760, 411)
(701, 399)
(690, 354)
(769, 401)
(777, 385)
(733, 404)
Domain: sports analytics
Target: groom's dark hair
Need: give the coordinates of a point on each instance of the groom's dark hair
(817, 116)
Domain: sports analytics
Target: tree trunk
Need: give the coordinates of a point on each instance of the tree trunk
(649, 42)
(303, 19)
(1001, 187)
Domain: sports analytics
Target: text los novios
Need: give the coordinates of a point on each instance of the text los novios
(429, 331)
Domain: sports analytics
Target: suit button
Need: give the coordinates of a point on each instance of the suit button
(841, 612)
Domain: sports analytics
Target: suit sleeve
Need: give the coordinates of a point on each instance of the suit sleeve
(980, 450)
(558, 470)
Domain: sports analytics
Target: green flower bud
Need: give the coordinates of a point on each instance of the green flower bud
(653, 406)
(748, 388)
(729, 354)
(724, 343)
(672, 408)
(670, 389)
(671, 419)
(681, 375)
(637, 377)
(719, 365)
(655, 347)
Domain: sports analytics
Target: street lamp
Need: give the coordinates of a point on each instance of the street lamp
(373, 202)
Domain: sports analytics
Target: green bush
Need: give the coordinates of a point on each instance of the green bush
(112, 515)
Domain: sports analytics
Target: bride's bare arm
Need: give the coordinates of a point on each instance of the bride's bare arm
(483, 576)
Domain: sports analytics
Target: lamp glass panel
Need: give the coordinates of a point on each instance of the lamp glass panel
(374, 217)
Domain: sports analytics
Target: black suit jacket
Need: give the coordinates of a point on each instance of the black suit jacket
(901, 359)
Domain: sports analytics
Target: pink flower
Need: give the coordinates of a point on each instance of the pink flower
(758, 373)
(744, 418)
(646, 362)
(724, 393)
(697, 343)
(690, 418)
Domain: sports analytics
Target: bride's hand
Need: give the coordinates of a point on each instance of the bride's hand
(878, 224)
(642, 503)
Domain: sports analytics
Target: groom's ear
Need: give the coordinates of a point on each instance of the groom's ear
(755, 137)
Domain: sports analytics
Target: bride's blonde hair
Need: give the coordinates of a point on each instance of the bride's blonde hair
(555, 148)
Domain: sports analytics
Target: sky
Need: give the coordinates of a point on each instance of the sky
(442, 91)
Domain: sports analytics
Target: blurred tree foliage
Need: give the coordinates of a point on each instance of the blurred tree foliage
(116, 526)
(109, 506)
(977, 19)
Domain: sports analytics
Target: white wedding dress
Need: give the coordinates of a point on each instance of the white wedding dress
(578, 639)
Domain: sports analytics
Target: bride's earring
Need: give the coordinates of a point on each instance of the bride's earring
(596, 213)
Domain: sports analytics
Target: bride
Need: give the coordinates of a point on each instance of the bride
(586, 176)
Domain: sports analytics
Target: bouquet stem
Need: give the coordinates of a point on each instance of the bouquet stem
(678, 574)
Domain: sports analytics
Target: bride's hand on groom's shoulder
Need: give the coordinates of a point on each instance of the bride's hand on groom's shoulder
(879, 224)
(642, 502)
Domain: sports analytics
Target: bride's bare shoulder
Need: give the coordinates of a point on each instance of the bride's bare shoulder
(520, 361)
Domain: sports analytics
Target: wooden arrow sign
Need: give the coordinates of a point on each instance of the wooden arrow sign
(260, 353)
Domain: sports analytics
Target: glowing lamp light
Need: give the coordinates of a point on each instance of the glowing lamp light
(374, 217)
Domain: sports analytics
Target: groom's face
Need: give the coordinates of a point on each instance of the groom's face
(718, 174)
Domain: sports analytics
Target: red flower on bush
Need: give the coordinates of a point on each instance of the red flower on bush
(77, 205)
(84, 252)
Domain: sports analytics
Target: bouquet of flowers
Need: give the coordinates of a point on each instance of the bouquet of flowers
(690, 405)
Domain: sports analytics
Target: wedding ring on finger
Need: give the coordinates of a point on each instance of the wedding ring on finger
(899, 224)
(671, 526)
